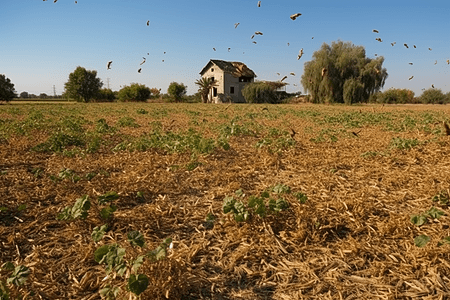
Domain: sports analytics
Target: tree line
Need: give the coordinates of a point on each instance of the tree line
(338, 73)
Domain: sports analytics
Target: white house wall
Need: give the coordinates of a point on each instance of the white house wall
(224, 82)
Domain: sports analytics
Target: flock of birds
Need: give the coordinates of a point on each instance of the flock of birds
(407, 47)
(299, 56)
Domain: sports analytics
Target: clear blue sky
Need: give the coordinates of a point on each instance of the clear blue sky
(42, 42)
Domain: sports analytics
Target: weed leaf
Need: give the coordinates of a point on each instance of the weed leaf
(137, 284)
(421, 240)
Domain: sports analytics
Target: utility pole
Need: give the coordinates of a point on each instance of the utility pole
(107, 82)
(54, 91)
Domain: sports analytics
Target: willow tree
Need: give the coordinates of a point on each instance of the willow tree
(342, 73)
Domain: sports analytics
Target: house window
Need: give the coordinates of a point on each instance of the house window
(212, 78)
(212, 69)
(231, 89)
(245, 79)
(214, 92)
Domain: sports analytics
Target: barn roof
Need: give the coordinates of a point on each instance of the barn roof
(235, 68)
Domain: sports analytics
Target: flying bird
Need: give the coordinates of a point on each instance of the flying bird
(108, 66)
(148, 22)
(430, 49)
(432, 86)
(76, 2)
(295, 16)
(236, 25)
(288, 44)
(406, 45)
(229, 49)
(411, 64)
(378, 39)
(55, 1)
(300, 54)
(393, 44)
(252, 36)
(278, 74)
(214, 49)
(448, 62)
(376, 31)
(143, 61)
(414, 46)
(139, 71)
(258, 33)
(312, 38)
(292, 73)
(259, 3)
(283, 78)
(410, 77)
(254, 42)
(435, 62)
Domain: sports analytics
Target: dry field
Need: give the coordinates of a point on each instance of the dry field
(325, 202)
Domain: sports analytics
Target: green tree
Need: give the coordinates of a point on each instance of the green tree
(177, 91)
(134, 92)
(83, 85)
(7, 92)
(205, 84)
(24, 95)
(106, 95)
(400, 96)
(434, 96)
(262, 92)
(325, 77)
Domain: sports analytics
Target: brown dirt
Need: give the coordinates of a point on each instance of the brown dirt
(352, 239)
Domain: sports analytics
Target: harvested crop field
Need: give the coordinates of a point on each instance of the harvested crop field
(321, 202)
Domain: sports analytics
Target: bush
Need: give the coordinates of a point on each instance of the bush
(177, 91)
(433, 96)
(134, 92)
(263, 92)
(106, 95)
(399, 96)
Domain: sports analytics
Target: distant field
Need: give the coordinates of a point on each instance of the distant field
(259, 201)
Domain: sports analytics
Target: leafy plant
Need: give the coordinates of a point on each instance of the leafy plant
(403, 144)
(421, 240)
(99, 232)
(127, 122)
(434, 213)
(302, 198)
(142, 111)
(161, 251)
(107, 199)
(444, 241)
(418, 220)
(136, 238)
(112, 256)
(109, 292)
(237, 208)
(137, 283)
(19, 276)
(281, 189)
(442, 198)
(78, 210)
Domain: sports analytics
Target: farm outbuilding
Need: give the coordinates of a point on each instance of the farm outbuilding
(231, 78)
